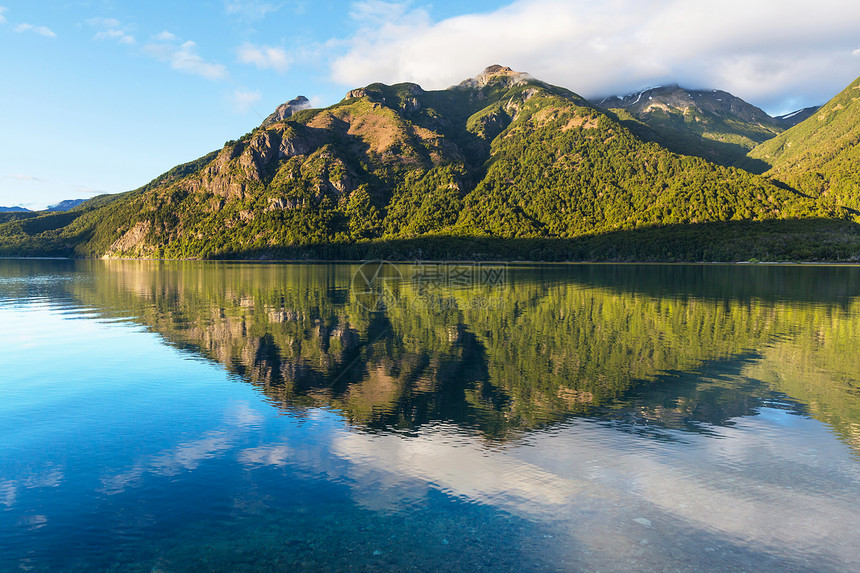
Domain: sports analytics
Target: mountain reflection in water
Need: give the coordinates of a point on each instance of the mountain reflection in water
(662, 345)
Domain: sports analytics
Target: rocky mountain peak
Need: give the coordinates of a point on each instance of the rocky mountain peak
(495, 72)
(376, 91)
(285, 110)
(674, 97)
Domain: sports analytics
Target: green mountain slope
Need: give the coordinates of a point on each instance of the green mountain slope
(500, 156)
(820, 155)
(711, 124)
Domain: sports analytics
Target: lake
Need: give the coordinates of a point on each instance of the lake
(187, 416)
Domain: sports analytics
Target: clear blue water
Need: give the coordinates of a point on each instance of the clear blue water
(251, 417)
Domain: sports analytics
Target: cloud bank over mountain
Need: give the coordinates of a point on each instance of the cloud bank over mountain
(761, 50)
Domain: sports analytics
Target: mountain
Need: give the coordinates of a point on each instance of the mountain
(789, 120)
(66, 205)
(712, 124)
(501, 165)
(61, 206)
(819, 156)
(286, 110)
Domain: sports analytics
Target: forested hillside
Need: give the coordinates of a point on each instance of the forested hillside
(499, 163)
(819, 157)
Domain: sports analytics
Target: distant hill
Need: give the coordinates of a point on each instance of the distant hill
(789, 120)
(61, 206)
(820, 156)
(712, 124)
(500, 166)
(66, 205)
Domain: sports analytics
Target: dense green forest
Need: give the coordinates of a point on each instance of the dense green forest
(502, 166)
(819, 157)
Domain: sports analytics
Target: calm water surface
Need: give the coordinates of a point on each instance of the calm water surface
(240, 417)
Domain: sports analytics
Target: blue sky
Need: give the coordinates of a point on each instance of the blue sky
(103, 95)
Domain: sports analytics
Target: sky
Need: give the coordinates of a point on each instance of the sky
(101, 96)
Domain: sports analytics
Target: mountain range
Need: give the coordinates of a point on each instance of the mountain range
(61, 206)
(501, 165)
(712, 124)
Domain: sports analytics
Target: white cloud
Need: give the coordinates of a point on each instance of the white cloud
(183, 57)
(117, 35)
(761, 50)
(250, 9)
(2, 17)
(41, 30)
(856, 53)
(111, 29)
(243, 99)
(264, 57)
(165, 36)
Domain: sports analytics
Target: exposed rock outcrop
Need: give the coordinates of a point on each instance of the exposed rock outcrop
(505, 74)
(286, 110)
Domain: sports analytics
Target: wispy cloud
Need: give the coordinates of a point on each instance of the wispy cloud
(22, 177)
(111, 29)
(165, 36)
(376, 12)
(264, 57)
(104, 22)
(599, 48)
(117, 35)
(243, 99)
(183, 57)
(2, 17)
(250, 9)
(40, 30)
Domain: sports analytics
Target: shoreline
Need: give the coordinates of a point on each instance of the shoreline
(444, 261)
